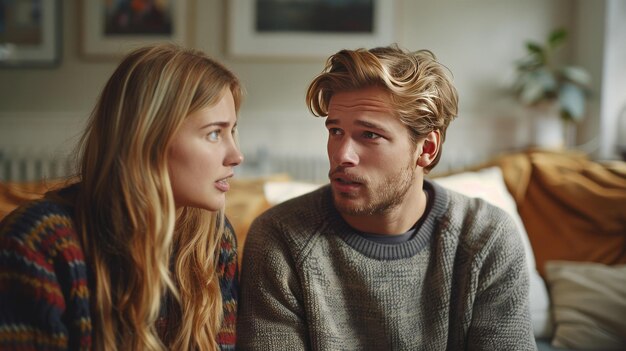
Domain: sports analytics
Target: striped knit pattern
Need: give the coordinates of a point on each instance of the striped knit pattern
(228, 271)
(44, 298)
(44, 295)
(311, 282)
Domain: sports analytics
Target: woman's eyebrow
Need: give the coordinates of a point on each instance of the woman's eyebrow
(219, 123)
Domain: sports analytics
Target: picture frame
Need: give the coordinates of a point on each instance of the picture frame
(110, 31)
(246, 37)
(30, 34)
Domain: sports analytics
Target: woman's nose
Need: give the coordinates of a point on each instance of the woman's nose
(234, 156)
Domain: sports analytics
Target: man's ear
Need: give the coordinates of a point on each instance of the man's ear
(430, 148)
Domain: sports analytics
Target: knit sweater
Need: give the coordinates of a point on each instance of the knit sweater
(44, 291)
(310, 281)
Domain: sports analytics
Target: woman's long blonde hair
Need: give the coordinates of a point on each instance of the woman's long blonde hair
(125, 210)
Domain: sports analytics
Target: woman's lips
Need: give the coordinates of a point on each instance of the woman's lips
(222, 185)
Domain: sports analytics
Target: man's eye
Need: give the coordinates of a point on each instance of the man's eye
(334, 131)
(214, 135)
(371, 135)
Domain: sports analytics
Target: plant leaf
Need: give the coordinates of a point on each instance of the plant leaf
(546, 78)
(531, 92)
(572, 100)
(535, 49)
(557, 37)
(528, 63)
(576, 75)
(535, 86)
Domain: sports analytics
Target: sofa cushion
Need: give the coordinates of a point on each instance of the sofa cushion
(14, 194)
(572, 207)
(589, 305)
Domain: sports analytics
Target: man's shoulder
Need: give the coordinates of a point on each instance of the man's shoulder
(462, 208)
(293, 221)
(478, 224)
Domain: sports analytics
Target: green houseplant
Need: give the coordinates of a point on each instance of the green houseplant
(541, 81)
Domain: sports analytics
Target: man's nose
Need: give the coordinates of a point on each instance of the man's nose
(345, 153)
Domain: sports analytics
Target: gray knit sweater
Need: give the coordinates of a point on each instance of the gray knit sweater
(310, 281)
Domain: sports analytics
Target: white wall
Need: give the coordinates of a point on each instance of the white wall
(590, 32)
(613, 101)
(479, 40)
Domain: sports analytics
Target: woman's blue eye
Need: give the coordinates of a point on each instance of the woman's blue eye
(214, 135)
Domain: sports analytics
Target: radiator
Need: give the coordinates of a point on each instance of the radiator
(37, 166)
(302, 168)
(29, 166)
(315, 168)
(32, 166)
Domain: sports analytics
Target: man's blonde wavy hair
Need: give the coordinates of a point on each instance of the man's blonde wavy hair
(139, 247)
(422, 94)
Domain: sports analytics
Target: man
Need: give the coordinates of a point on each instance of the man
(383, 259)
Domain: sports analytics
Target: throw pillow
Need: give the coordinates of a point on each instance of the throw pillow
(589, 305)
(280, 191)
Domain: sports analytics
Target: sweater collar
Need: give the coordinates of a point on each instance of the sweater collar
(380, 251)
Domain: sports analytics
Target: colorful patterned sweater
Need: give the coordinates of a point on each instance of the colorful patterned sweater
(44, 295)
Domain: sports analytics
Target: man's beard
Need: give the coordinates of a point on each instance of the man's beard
(384, 196)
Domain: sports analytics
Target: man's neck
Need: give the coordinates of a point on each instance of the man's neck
(397, 220)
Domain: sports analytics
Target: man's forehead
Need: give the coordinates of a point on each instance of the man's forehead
(369, 99)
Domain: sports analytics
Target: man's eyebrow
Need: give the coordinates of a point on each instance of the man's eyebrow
(333, 121)
(370, 125)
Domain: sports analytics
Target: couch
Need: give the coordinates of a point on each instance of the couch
(570, 212)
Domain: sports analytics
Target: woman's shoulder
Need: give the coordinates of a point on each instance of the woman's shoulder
(38, 211)
(229, 236)
(228, 244)
(228, 260)
(38, 223)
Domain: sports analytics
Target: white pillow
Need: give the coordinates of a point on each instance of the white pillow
(279, 191)
(489, 185)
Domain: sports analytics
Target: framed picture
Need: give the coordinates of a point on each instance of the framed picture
(112, 28)
(307, 29)
(30, 33)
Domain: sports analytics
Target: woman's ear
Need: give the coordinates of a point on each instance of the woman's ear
(430, 148)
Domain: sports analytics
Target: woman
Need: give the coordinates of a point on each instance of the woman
(137, 254)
